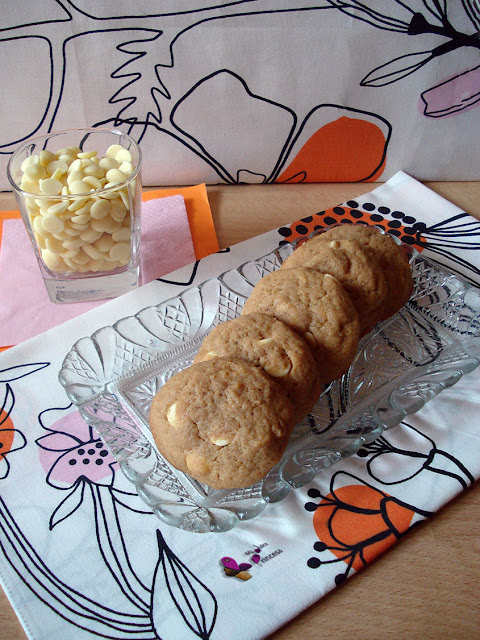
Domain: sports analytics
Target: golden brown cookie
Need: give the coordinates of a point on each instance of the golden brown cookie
(316, 306)
(272, 345)
(358, 272)
(391, 258)
(224, 422)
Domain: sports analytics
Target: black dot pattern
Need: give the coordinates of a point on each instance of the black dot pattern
(95, 454)
(403, 226)
(301, 229)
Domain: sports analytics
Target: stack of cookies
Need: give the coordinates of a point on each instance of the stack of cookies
(227, 419)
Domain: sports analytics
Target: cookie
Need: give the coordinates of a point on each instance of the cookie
(393, 262)
(316, 306)
(272, 345)
(224, 422)
(358, 272)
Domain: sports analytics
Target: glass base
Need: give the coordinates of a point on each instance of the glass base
(101, 287)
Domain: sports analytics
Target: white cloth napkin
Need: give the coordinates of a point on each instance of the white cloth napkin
(81, 557)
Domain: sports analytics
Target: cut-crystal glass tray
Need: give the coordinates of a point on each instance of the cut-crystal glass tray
(113, 375)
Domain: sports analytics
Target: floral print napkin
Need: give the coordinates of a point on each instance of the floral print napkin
(82, 556)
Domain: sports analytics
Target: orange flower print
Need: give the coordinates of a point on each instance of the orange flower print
(344, 150)
(11, 439)
(356, 523)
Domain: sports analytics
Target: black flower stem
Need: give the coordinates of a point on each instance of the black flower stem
(419, 24)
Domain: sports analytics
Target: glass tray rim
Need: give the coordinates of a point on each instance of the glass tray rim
(299, 469)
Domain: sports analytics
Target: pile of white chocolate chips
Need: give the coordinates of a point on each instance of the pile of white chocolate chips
(86, 228)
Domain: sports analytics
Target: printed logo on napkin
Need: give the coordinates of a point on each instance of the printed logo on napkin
(241, 569)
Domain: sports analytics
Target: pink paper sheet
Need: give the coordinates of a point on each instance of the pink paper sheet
(25, 308)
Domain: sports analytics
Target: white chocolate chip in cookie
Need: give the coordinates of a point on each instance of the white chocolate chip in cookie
(172, 417)
(197, 463)
(278, 371)
(334, 244)
(220, 441)
(265, 341)
(211, 354)
(329, 275)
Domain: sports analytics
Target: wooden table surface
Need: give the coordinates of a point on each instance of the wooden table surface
(426, 586)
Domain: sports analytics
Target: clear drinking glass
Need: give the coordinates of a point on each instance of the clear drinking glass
(79, 194)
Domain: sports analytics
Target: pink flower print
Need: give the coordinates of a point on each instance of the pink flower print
(70, 452)
(459, 93)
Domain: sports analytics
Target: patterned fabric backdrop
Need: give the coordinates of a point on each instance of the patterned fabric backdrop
(256, 91)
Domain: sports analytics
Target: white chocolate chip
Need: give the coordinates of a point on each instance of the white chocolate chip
(94, 182)
(278, 371)
(90, 235)
(126, 168)
(73, 244)
(52, 223)
(58, 208)
(28, 185)
(46, 157)
(94, 170)
(104, 243)
(29, 160)
(38, 227)
(172, 417)
(50, 186)
(121, 235)
(115, 175)
(125, 198)
(35, 172)
(81, 257)
(105, 224)
(123, 155)
(86, 154)
(52, 260)
(78, 203)
(112, 194)
(69, 253)
(72, 232)
(78, 186)
(108, 163)
(68, 158)
(40, 241)
(265, 341)
(32, 204)
(100, 209)
(75, 166)
(91, 251)
(220, 441)
(54, 245)
(211, 354)
(120, 251)
(57, 165)
(80, 227)
(80, 219)
(118, 211)
(196, 463)
(113, 150)
(61, 236)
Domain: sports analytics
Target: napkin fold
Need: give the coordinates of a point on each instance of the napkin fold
(169, 234)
